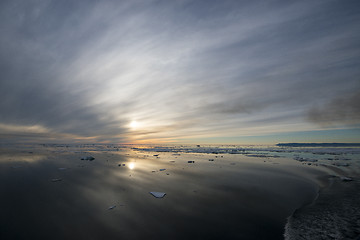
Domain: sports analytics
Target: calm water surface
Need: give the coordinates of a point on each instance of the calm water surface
(232, 197)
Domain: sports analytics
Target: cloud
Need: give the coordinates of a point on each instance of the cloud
(178, 68)
(343, 110)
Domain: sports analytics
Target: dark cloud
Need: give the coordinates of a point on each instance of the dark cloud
(340, 110)
(34, 60)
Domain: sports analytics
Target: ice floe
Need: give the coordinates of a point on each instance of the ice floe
(158, 194)
(346, 179)
(112, 207)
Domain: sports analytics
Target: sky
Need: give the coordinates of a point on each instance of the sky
(144, 71)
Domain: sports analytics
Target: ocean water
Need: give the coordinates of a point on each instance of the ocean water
(212, 192)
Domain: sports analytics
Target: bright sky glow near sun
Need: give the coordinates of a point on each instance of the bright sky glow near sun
(187, 71)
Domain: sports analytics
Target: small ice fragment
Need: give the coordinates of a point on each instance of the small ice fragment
(191, 161)
(89, 158)
(346, 179)
(158, 194)
(112, 207)
(56, 179)
(162, 169)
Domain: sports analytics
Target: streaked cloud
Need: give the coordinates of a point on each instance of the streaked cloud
(179, 68)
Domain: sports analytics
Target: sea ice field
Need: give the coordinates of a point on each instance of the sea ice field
(98, 191)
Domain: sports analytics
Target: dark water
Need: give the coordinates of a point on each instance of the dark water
(233, 197)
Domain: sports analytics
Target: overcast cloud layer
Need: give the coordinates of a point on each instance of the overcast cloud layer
(180, 69)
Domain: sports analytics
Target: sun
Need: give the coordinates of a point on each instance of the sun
(134, 124)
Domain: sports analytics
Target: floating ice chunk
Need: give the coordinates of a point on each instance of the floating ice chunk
(300, 159)
(158, 194)
(346, 179)
(112, 207)
(56, 179)
(257, 155)
(88, 158)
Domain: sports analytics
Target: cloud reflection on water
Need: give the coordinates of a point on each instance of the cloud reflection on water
(240, 198)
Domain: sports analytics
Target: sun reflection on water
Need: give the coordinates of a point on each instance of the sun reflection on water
(131, 165)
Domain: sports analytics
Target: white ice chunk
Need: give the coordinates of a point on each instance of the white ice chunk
(346, 179)
(158, 194)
